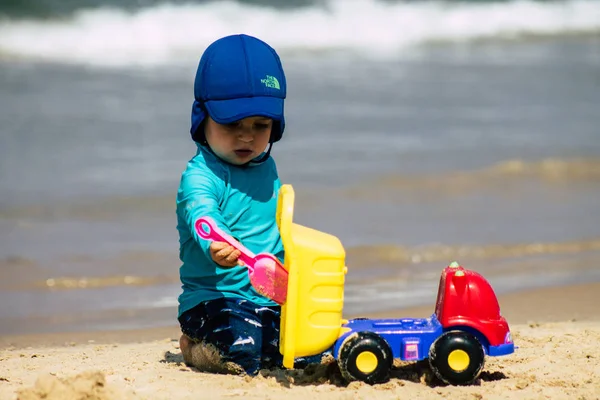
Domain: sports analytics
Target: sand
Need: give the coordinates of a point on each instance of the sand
(557, 331)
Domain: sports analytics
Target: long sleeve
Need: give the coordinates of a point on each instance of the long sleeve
(199, 196)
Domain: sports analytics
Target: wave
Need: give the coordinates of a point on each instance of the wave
(392, 257)
(167, 33)
(364, 256)
(550, 171)
(61, 8)
(100, 282)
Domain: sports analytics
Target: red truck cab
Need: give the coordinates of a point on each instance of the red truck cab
(467, 301)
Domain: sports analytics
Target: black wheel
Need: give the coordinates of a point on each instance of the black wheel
(456, 358)
(366, 357)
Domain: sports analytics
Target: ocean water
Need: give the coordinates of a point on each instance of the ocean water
(419, 133)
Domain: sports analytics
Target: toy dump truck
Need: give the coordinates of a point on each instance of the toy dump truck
(465, 327)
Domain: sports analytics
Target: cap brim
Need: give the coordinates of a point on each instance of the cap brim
(228, 111)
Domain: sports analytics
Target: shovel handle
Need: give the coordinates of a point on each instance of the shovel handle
(206, 228)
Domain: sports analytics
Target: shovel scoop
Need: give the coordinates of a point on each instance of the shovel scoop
(267, 274)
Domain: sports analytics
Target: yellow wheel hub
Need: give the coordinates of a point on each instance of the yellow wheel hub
(366, 362)
(458, 360)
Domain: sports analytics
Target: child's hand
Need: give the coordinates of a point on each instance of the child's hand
(224, 254)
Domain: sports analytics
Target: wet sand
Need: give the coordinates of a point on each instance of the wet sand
(556, 330)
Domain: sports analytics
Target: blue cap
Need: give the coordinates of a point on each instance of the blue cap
(239, 76)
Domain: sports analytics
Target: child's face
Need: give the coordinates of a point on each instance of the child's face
(241, 141)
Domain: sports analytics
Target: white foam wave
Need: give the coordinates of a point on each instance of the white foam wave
(170, 34)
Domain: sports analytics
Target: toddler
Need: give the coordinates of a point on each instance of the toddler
(237, 115)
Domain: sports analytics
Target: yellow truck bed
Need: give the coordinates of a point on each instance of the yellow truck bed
(311, 318)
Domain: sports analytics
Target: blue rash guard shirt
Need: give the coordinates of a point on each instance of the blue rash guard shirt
(242, 200)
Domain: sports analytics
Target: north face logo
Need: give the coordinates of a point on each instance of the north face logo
(271, 82)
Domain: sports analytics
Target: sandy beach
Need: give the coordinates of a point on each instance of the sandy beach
(556, 330)
(417, 132)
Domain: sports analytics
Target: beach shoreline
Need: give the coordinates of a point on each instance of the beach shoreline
(470, 135)
(555, 330)
(547, 304)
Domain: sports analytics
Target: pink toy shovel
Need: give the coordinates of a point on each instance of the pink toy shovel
(267, 274)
